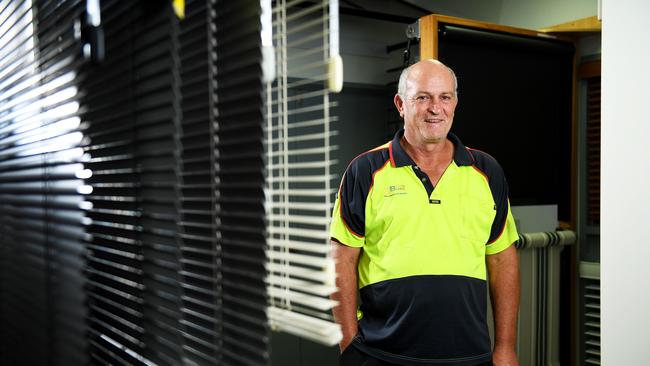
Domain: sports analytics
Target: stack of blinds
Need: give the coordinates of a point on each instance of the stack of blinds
(239, 169)
(42, 219)
(300, 184)
(131, 104)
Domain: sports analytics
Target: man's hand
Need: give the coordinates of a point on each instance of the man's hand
(345, 313)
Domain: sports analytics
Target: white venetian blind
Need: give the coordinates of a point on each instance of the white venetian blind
(300, 184)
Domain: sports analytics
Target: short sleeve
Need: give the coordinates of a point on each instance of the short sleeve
(348, 216)
(507, 236)
(339, 229)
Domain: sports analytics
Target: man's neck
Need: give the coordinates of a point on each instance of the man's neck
(429, 155)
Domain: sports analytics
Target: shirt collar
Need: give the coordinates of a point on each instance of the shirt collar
(399, 157)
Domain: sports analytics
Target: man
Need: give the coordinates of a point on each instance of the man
(415, 224)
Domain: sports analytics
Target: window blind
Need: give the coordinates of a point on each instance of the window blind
(163, 261)
(200, 274)
(132, 108)
(299, 182)
(239, 190)
(42, 172)
(593, 150)
(591, 321)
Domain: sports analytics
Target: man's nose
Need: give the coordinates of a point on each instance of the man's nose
(434, 106)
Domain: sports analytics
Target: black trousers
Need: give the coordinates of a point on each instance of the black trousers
(351, 356)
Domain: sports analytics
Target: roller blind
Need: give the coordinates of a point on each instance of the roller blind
(300, 183)
(42, 203)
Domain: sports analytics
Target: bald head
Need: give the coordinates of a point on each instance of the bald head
(416, 67)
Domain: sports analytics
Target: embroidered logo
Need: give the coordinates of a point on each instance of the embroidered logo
(395, 190)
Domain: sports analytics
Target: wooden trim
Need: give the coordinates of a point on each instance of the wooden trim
(584, 25)
(429, 37)
(589, 69)
(429, 32)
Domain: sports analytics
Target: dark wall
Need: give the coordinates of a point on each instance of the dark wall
(515, 102)
(366, 117)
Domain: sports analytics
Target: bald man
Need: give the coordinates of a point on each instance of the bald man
(419, 225)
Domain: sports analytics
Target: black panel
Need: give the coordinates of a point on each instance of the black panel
(515, 102)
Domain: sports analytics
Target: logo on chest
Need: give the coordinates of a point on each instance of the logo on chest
(395, 190)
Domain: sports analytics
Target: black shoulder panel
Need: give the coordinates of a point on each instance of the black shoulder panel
(499, 187)
(356, 184)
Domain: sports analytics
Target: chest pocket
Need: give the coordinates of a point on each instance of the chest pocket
(477, 216)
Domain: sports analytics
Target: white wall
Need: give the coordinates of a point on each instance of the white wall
(535, 14)
(625, 200)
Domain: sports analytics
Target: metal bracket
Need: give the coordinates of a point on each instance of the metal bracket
(413, 30)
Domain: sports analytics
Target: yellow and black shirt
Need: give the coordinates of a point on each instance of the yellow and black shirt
(422, 272)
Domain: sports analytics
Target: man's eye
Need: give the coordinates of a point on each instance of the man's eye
(422, 98)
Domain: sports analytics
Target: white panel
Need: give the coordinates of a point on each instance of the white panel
(625, 202)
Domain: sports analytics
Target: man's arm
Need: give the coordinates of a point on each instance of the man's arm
(345, 313)
(503, 270)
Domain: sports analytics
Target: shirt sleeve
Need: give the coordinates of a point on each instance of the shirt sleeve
(507, 236)
(340, 231)
(348, 215)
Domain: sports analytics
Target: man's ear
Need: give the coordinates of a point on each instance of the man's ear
(399, 103)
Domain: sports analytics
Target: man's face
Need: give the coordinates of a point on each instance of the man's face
(428, 104)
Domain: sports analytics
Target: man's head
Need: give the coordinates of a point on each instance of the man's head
(426, 98)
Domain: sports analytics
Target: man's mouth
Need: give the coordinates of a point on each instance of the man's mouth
(433, 120)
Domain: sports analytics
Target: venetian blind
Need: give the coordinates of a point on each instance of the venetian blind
(42, 203)
(132, 108)
(163, 262)
(593, 150)
(300, 184)
(201, 289)
(239, 181)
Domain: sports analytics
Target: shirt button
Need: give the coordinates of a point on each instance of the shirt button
(424, 179)
(416, 167)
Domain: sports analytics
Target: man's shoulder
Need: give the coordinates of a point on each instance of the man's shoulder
(485, 162)
(370, 161)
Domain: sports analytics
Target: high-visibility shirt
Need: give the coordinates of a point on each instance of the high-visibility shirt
(422, 271)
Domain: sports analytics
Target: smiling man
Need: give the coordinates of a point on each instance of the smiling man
(418, 227)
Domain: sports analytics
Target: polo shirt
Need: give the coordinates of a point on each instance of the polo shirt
(422, 271)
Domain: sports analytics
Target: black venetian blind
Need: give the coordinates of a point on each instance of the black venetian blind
(42, 221)
(132, 226)
(239, 166)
